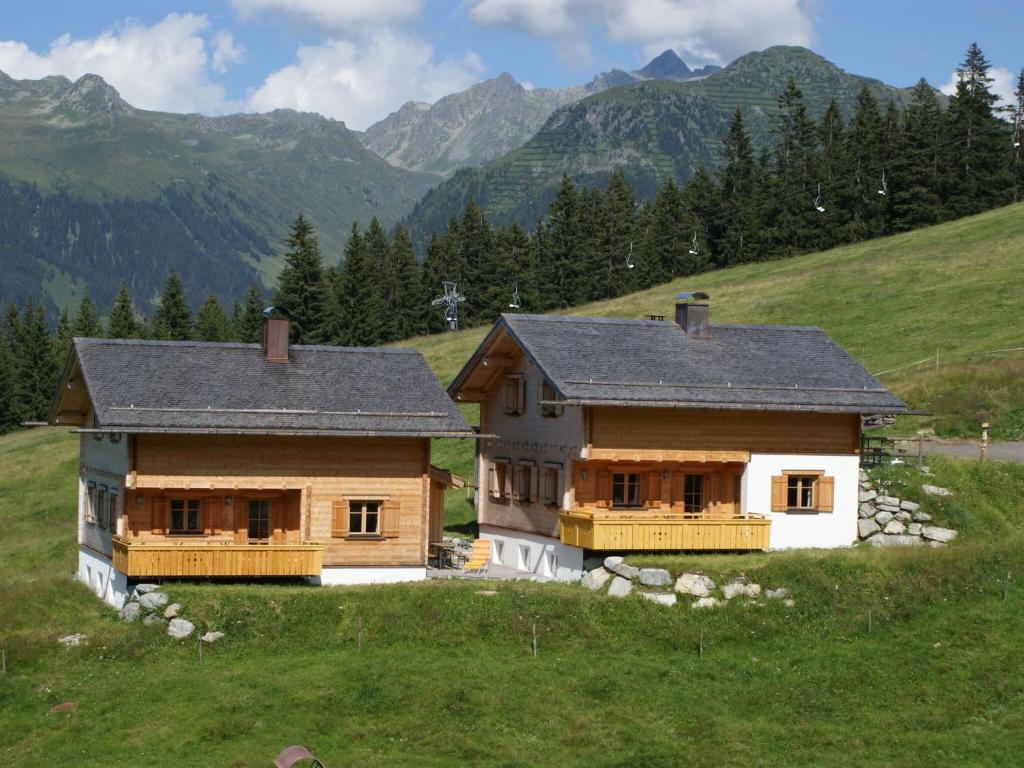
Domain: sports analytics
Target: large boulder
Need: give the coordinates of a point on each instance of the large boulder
(867, 496)
(866, 509)
(655, 577)
(596, 578)
(180, 628)
(934, 533)
(889, 501)
(617, 565)
(866, 528)
(620, 587)
(706, 602)
(738, 588)
(894, 528)
(172, 611)
(885, 540)
(144, 589)
(131, 611)
(153, 600)
(662, 598)
(696, 584)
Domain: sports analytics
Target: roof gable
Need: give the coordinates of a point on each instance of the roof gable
(139, 386)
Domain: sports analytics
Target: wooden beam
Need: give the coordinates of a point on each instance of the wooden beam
(498, 361)
(659, 455)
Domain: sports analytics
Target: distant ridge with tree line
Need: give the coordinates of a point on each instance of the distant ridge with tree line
(888, 170)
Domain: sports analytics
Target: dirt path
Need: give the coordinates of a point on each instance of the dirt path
(970, 449)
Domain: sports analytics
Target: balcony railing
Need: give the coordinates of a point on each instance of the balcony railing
(613, 530)
(169, 559)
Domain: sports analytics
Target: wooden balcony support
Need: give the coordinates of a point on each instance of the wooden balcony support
(644, 530)
(176, 559)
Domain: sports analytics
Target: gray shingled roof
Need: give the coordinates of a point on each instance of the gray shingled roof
(642, 362)
(189, 386)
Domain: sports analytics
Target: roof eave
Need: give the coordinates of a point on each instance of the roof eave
(133, 430)
(776, 407)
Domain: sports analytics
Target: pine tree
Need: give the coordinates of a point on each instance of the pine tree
(400, 283)
(302, 287)
(865, 149)
(35, 367)
(123, 323)
(359, 296)
(8, 418)
(978, 175)
(87, 321)
(915, 182)
(443, 263)
(173, 319)
(248, 328)
(739, 193)
(702, 201)
(617, 230)
(1017, 140)
(63, 338)
(212, 322)
(559, 265)
(476, 254)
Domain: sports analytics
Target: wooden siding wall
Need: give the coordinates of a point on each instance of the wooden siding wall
(527, 437)
(720, 482)
(148, 514)
(322, 469)
(650, 430)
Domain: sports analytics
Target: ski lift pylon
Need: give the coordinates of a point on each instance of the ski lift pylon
(450, 300)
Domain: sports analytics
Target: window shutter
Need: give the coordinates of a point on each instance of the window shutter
(517, 481)
(558, 487)
(713, 493)
(492, 482)
(241, 506)
(339, 523)
(158, 515)
(779, 494)
(211, 511)
(825, 492)
(644, 489)
(532, 472)
(521, 402)
(654, 487)
(506, 490)
(390, 518)
(604, 487)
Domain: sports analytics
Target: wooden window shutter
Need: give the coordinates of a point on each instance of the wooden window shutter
(339, 517)
(713, 493)
(532, 471)
(779, 493)
(521, 403)
(492, 483)
(390, 518)
(654, 487)
(644, 488)
(604, 487)
(825, 493)
(517, 480)
(158, 515)
(211, 514)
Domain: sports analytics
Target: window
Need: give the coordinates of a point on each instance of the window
(552, 484)
(112, 513)
(514, 393)
(102, 513)
(500, 479)
(185, 516)
(625, 489)
(90, 502)
(693, 494)
(802, 491)
(364, 518)
(499, 551)
(547, 392)
(525, 490)
(259, 518)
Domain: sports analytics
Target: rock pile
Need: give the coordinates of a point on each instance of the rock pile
(625, 577)
(151, 605)
(890, 521)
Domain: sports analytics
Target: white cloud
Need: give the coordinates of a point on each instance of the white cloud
(338, 15)
(1004, 84)
(161, 67)
(701, 31)
(225, 51)
(360, 81)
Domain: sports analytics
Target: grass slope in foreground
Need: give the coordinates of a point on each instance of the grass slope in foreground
(444, 675)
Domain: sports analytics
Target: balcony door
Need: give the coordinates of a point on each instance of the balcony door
(259, 520)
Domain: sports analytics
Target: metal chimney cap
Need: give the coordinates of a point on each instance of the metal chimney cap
(687, 295)
(271, 311)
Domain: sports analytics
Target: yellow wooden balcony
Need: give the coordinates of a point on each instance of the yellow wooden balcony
(656, 530)
(201, 559)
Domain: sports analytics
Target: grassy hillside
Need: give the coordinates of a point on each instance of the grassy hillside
(444, 675)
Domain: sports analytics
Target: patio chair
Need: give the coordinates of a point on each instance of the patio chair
(480, 558)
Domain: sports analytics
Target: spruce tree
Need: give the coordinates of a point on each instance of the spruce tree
(739, 193)
(123, 323)
(35, 367)
(978, 175)
(248, 329)
(865, 148)
(212, 322)
(670, 235)
(617, 230)
(1017, 140)
(559, 265)
(172, 320)
(8, 419)
(302, 287)
(476, 255)
(63, 338)
(411, 307)
(703, 204)
(443, 263)
(915, 181)
(87, 321)
(359, 297)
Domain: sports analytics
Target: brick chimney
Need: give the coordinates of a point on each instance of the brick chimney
(692, 314)
(275, 335)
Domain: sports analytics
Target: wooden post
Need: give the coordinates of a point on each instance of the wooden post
(700, 644)
(984, 440)
(535, 640)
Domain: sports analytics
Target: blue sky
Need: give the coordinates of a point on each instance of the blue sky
(357, 60)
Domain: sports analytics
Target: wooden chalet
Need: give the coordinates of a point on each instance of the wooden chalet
(248, 460)
(604, 435)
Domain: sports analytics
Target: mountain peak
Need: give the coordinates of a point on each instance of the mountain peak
(91, 93)
(665, 66)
